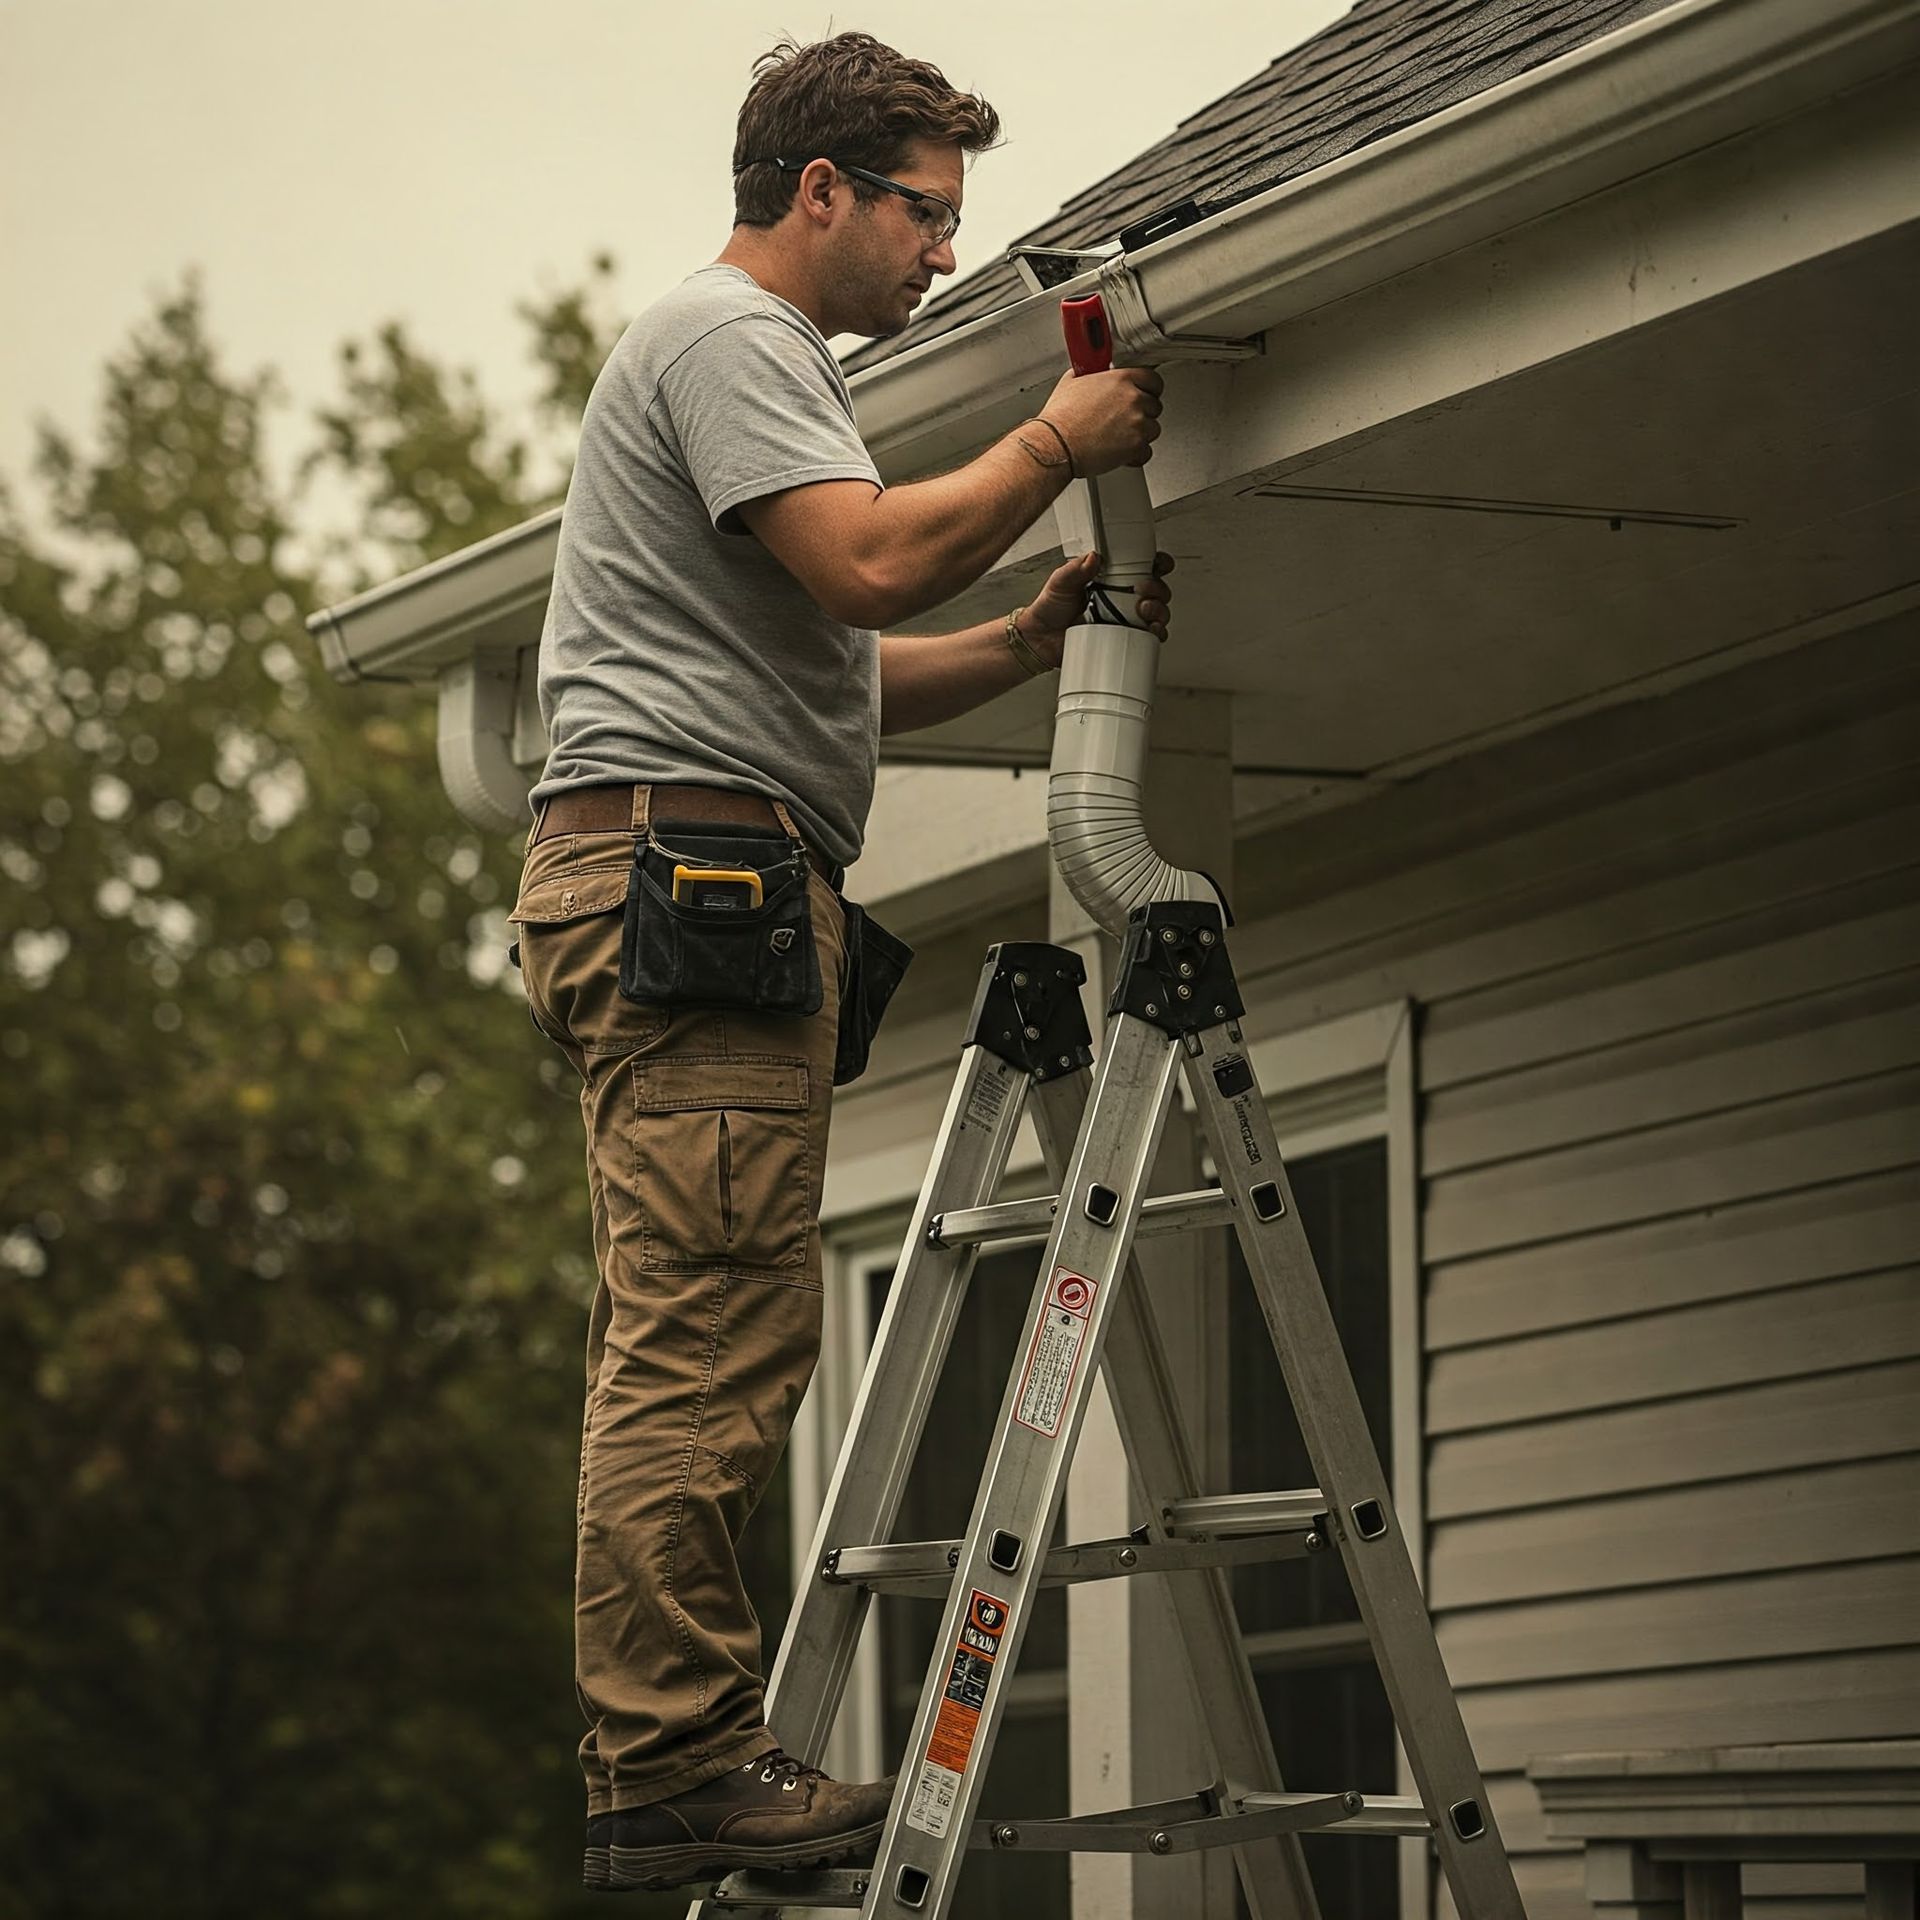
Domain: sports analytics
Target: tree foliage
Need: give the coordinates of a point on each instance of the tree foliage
(293, 1246)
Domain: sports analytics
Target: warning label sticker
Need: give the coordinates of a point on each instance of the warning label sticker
(1055, 1355)
(988, 1098)
(937, 1789)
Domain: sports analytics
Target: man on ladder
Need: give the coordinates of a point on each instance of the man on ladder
(712, 679)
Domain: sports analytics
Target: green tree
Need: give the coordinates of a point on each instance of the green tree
(293, 1247)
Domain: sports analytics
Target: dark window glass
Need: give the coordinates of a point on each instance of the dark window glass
(1028, 1774)
(1332, 1726)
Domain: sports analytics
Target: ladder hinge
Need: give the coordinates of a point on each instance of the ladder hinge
(1027, 1010)
(1174, 971)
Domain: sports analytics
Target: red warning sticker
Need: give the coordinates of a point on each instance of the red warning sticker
(943, 1770)
(1054, 1357)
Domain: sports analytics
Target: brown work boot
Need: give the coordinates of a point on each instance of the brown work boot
(771, 1812)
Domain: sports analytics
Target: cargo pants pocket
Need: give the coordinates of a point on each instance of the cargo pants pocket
(722, 1162)
(569, 912)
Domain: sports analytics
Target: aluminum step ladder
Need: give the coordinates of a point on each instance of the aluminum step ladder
(1174, 1014)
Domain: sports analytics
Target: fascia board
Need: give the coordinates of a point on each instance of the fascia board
(1698, 72)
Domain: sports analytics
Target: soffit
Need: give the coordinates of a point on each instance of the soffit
(1456, 573)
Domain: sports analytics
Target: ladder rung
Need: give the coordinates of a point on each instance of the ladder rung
(1020, 1223)
(926, 1566)
(1215, 1514)
(1166, 1827)
(1205, 1820)
(820, 1887)
(1378, 1812)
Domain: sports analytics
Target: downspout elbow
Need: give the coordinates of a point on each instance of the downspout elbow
(1096, 785)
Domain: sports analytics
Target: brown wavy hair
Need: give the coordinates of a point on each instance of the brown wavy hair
(849, 99)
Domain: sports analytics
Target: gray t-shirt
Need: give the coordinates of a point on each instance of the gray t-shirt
(677, 649)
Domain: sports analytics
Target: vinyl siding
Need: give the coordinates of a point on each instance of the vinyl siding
(1669, 1064)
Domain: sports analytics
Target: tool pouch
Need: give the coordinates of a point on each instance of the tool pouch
(717, 948)
(876, 960)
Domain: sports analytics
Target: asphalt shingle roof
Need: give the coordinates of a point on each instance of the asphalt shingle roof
(1384, 65)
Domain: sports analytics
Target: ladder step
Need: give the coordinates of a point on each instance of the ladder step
(1215, 1530)
(1028, 1223)
(820, 1887)
(1206, 1820)
(1215, 1515)
(1377, 1813)
(1200, 1821)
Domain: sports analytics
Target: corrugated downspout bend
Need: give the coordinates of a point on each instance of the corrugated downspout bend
(1096, 786)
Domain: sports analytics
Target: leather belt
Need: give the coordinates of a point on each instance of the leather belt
(609, 809)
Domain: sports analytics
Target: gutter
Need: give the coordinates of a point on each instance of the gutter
(491, 596)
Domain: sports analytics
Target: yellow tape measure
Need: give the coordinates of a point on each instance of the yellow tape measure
(716, 887)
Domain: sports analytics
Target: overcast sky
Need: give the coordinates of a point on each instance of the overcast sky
(330, 164)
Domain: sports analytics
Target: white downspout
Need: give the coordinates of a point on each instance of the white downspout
(1096, 785)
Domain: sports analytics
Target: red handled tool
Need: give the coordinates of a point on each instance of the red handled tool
(1089, 338)
(1119, 507)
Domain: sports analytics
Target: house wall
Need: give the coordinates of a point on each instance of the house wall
(1666, 960)
(1668, 967)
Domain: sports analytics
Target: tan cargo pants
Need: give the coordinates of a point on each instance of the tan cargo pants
(706, 1145)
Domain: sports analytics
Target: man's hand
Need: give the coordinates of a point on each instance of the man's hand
(1060, 603)
(1108, 419)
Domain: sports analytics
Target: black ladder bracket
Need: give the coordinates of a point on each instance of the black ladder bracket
(1027, 1009)
(1174, 972)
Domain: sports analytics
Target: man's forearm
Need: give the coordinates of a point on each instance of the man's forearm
(933, 538)
(874, 557)
(929, 677)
